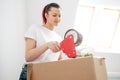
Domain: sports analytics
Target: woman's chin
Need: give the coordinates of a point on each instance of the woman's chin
(56, 24)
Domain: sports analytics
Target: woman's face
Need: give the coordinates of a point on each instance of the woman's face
(53, 16)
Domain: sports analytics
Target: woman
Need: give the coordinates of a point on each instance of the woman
(42, 43)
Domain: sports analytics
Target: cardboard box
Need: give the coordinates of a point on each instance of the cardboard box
(88, 68)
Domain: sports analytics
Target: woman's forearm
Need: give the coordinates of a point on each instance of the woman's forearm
(35, 53)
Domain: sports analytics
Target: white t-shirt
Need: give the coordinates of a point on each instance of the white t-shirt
(42, 35)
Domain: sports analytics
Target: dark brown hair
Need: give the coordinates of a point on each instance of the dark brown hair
(47, 8)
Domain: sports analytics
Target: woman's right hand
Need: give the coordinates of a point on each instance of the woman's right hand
(54, 46)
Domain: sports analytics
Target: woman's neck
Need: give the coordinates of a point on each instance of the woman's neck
(48, 26)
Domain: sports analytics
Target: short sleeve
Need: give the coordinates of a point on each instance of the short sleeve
(31, 32)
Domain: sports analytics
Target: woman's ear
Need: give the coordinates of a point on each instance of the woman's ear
(46, 15)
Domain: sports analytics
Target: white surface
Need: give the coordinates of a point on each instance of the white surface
(114, 75)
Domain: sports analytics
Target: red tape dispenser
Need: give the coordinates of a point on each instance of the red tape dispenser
(68, 46)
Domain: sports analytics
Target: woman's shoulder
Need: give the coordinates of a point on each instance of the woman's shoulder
(32, 31)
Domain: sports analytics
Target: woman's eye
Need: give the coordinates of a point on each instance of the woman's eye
(54, 15)
(59, 15)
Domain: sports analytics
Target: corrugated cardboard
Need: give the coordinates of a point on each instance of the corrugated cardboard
(87, 68)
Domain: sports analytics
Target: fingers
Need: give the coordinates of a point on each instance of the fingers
(54, 46)
(57, 46)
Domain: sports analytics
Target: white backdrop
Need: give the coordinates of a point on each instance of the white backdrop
(12, 28)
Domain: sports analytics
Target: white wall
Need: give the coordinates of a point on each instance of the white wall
(107, 3)
(12, 28)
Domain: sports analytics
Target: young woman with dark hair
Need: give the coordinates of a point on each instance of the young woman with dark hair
(42, 42)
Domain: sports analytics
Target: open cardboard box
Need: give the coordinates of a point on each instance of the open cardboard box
(87, 68)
